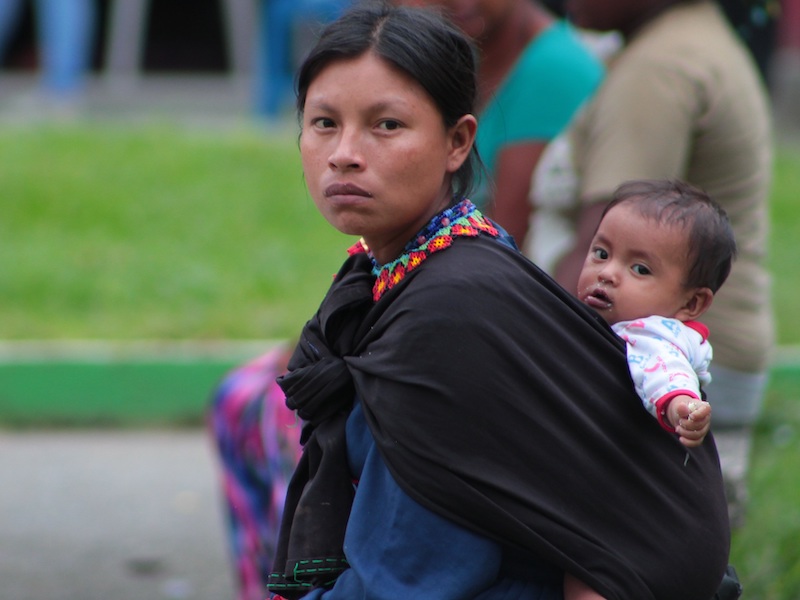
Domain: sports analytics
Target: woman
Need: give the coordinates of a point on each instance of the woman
(533, 75)
(683, 99)
(420, 476)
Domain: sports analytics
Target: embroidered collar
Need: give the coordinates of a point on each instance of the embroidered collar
(461, 220)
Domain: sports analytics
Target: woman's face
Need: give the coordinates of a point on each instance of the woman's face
(377, 157)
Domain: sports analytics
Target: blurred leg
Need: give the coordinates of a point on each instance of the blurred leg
(9, 17)
(274, 67)
(65, 29)
(258, 444)
(127, 24)
(273, 57)
(240, 27)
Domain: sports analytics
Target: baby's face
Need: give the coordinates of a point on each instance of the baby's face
(635, 267)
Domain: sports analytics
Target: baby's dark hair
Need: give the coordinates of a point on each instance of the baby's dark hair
(712, 247)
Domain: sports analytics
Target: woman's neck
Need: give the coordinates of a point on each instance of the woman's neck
(502, 46)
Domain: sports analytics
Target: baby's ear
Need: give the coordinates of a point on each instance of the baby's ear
(698, 303)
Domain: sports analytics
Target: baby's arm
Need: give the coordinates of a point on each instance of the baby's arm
(690, 417)
(575, 589)
(665, 377)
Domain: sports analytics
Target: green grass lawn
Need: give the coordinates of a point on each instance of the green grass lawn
(766, 551)
(114, 233)
(785, 243)
(122, 233)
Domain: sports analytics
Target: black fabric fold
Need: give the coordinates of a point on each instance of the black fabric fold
(309, 551)
(320, 388)
(318, 383)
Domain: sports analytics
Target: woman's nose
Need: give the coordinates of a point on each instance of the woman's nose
(346, 155)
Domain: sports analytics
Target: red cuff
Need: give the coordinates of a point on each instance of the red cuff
(663, 403)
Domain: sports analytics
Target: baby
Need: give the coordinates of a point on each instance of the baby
(660, 253)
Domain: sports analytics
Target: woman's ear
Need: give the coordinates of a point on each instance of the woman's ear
(698, 303)
(462, 137)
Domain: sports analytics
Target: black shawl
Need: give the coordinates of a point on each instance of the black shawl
(499, 401)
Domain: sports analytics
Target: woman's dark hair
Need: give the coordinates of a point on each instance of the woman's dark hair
(712, 247)
(420, 42)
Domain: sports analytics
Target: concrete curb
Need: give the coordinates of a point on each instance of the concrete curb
(98, 351)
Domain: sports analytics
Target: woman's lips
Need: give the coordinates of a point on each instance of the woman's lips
(345, 189)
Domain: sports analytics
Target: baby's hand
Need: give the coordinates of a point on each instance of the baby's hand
(691, 418)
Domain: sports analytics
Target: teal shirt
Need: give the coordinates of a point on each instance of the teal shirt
(551, 79)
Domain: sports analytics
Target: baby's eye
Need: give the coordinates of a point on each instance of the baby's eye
(600, 253)
(641, 270)
(389, 125)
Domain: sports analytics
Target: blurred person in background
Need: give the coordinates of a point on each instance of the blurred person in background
(534, 73)
(258, 446)
(65, 30)
(682, 99)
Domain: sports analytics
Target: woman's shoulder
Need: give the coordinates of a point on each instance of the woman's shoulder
(484, 275)
(479, 260)
(470, 274)
(560, 46)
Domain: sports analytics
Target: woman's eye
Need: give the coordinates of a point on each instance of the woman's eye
(389, 125)
(600, 253)
(641, 270)
(323, 122)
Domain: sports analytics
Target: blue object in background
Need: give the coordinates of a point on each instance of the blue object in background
(65, 30)
(278, 21)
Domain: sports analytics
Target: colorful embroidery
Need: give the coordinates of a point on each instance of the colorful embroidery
(461, 220)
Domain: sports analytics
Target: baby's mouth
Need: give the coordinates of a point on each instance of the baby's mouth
(598, 299)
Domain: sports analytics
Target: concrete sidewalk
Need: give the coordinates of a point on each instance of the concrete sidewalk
(194, 100)
(111, 515)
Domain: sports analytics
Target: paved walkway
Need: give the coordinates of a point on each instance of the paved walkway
(199, 100)
(111, 516)
(116, 515)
